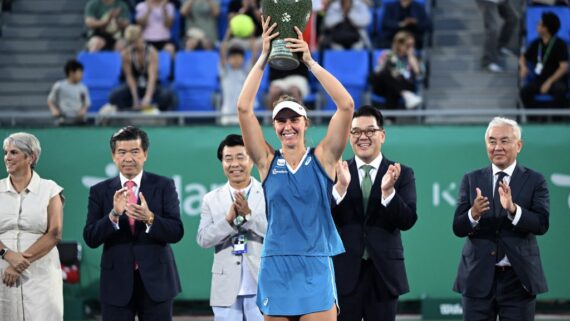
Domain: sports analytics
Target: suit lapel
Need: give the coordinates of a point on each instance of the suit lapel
(354, 192)
(147, 189)
(379, 174)
(486, 183)
(113, 186)
(517, 181)
(255, 195)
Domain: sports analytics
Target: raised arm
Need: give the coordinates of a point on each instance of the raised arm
(260, 152)
(331, 147)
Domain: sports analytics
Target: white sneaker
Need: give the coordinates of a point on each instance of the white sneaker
(411, 100)
(507, 52)
(493, 67)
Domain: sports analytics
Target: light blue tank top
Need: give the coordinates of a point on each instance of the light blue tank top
(298, 209)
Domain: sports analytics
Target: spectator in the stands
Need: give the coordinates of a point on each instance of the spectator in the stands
(404, 15)
(396, 73)
(501, 22)
(294, 83)
(140, 70)
(69, 99)
(201, 23)
(345, 25)
(547, 57)
(156, 18)
(233, 72)
(106, 20)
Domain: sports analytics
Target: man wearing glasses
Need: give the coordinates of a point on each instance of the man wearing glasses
(375, 199)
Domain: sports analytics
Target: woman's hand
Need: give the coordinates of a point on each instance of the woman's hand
(10, 276)
(267, 35)
(17, 261)
(300, 45)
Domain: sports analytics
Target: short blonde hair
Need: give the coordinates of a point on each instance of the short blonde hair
(27, 143)
(132, 33)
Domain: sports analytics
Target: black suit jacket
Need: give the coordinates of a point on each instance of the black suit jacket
(379, 229)
(477, 266)
(121, 248)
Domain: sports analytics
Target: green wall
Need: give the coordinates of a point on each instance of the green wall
(439, 155)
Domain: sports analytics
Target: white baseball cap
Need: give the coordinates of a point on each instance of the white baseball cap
(288, 104)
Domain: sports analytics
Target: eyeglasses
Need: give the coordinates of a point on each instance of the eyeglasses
(368, 132)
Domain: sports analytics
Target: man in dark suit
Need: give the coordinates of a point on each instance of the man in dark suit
(375, 199)
(500, 211)
(135, 216)
(404, 15)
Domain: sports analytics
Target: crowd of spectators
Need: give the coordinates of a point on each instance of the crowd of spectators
(400, 29)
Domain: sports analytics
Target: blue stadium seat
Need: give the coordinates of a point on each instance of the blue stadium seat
(164, 67)
(533, 16)
(101, 75)
(196, 79)
(351, 68)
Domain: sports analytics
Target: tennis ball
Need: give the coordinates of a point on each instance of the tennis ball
(242, 26)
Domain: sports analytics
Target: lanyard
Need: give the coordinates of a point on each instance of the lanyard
(246, 194)
(540, 58)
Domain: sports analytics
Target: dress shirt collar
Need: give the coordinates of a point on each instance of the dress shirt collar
(33, 186)
(245, 190)
(509, 170)
(137, 179)
(375, 163)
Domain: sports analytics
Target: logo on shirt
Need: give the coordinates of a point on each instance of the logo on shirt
(265, 301)
(281, 162)
(279, 171)
(309, 159)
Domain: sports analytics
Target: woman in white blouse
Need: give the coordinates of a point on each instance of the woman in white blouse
(31, 219)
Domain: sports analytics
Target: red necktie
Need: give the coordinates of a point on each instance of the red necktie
(132, 200)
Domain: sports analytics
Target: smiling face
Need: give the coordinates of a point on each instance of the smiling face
(237, 165)
(366, 148)
(16, 161)
(290, 128)
(129, 157)
(503, 146)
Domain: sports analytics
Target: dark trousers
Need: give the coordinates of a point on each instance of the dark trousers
(369, 300)
(557, 90)
(164, 97)
(390, 87)
(501, 22)
(141, 305)
(508, 300)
